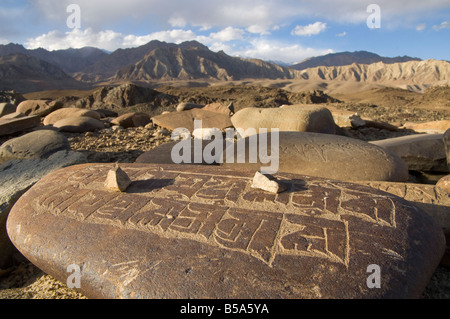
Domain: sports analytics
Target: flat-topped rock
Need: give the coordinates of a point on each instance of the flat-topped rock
(322, 155)
(38, 107)
(34, 145)
(11, 126)
(421, 152)
(79, 124)
(298, 118)
(185, 119)
(66, 112)
(184, 231)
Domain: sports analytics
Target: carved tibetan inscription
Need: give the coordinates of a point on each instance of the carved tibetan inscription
(200, 232)
(221, 210)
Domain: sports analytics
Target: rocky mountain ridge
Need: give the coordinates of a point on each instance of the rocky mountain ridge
(30, 70)
(348, 58)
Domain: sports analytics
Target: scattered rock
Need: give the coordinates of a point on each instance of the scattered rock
(80, 124)
(11, 97)
(34, 145)
(344, 118)
(64, 113)
(17, 176)
(444, 183)
(7, 108)
(305, 118)
(11, 126)
(38, 107)
(185, 119)
(316, 240)
(132, 120)
(421, 152)
(315, 154)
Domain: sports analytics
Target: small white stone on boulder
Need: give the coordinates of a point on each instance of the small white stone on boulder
(263, 182)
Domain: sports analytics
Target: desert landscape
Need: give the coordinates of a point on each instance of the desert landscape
(59, 109)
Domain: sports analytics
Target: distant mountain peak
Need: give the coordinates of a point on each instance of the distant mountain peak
(348, 58)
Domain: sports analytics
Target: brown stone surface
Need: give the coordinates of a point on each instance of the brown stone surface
(66, 112)
(11, 126)
(218, 108)
(186, 119)
(7, 108)
(79, 124)
(38, 107)
(185, 106)
(431, 199)
(34, 145)
(184, 231)
(421, 152)
(301, 118)
(163, 153)
(322, 155)
(132, 120)
(434, 127)
(444, 183)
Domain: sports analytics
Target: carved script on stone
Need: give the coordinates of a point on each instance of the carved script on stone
(310, 219)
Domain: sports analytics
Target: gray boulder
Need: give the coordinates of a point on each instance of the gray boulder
(16, 177)
(34, 145)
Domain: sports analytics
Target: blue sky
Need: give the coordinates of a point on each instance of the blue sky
(281, 30)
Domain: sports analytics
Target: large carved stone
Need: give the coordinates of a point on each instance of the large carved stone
(322, 155)
(203, 232)
(305, 118)
(422, 152)
(430, 198)
(185, 119)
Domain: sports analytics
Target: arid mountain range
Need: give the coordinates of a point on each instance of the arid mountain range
(34, 70)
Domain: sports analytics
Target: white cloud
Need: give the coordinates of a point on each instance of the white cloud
(310, 29)
(233, 41)
(342, 34)
(421, 27)
(443, 25)
(277, 51)
(107, 40)
(228, 34)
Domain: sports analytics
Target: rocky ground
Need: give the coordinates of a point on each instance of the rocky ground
(25, 281)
